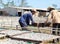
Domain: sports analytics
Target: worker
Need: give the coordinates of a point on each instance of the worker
(54, 17)
(25, 19)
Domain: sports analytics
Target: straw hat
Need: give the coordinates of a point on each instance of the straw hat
(34, 10)
(50, 8)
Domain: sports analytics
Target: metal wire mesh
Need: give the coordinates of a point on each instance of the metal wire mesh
(12, 23)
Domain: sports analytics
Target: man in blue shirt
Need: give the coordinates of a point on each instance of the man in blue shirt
(25, 19)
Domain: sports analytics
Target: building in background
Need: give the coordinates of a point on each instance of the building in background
(17, 11)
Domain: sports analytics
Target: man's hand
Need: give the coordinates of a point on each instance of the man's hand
(34, 24)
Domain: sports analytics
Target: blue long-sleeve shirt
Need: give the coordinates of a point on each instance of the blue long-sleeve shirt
(25, 18)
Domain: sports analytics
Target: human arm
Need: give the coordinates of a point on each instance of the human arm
(48, 20)
(31, 18)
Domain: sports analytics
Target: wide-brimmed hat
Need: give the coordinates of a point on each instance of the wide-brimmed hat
(50, 8)
(34, 10)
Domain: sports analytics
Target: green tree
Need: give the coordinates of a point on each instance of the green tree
(54, 5)
(7, 4)
(0, 1)
(24, 4)
(11, 3)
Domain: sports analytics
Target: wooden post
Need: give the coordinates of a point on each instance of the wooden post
(16, 26)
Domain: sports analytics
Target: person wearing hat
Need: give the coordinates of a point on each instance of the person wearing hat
(25, 19)
(54, 16)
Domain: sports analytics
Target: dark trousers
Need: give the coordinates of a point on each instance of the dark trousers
(23, 25)
(56, 26)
